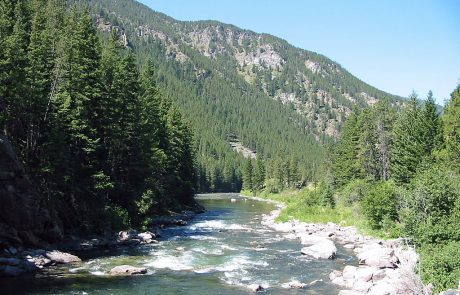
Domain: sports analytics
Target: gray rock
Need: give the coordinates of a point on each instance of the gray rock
(39, 261)
(364, 273)
(349, 272)
(382, 288)
(362, 286)
(335, 274)
(61, 257)
(339, 281)
(450, 292)
(378, 257)
(323, 249)
(127, 270)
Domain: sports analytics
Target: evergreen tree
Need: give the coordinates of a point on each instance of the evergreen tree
(248, 176)
(259, 175)
(408, 151)
(344, 164)
(384, 120)
(13, 64)
(451, 124)
(431, 127)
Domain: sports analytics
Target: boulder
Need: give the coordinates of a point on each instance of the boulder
(146, 237)
(294, 285)
(61, 257)
(256, 288)
(335, 274)
(349, 272)
(39, 261)
(323, 249)
(361, 286)
(127, 270)
(378, 257)
(382, 287)
(339, 281)
(364, 273)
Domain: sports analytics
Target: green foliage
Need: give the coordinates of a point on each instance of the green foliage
(417, 134)
(431, 206)
(380, 204)
(451, 120)
(117, 216)
(96, 137)
(354, 191)
(440, 265)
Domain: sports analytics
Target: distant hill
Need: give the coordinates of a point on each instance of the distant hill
(280, 102)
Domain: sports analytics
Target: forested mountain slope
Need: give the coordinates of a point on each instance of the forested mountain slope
(278, 100)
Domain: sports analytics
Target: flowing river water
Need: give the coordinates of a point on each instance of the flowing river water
(225, 250)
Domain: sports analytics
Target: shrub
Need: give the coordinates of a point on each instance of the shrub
(380, 205)
(432, 207)
(440, 265)
(354, 191)
(118, 216)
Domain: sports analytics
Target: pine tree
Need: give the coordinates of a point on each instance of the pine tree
(248, 176)
(76, 100)
(368, 155)
(385, 116)
(431, 126)
(451, 124)
(259, 175)
(417, 134)
(344, 164)
(13, 64)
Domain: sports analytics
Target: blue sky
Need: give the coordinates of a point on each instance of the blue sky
(396, 46)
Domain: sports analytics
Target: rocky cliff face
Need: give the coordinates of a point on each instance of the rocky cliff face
(26, 217)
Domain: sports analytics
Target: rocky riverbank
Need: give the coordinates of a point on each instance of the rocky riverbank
(15, 261)
(385, 266)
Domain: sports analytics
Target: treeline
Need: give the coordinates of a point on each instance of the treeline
(273, 175)
(92, 131)
(214, 96)
(402, 169)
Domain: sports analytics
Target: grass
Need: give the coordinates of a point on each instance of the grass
(301, 207)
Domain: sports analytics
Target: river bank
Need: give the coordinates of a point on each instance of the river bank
(385, 266)
(16, 261)
(226, 250)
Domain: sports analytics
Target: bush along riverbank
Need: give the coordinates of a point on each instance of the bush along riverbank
(388, 262)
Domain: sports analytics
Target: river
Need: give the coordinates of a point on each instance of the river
(225, 250)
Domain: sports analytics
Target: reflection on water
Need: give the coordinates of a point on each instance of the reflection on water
(223, 251)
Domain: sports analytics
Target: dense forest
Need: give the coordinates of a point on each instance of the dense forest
(398, 168)
(91, 128)
(282, 102)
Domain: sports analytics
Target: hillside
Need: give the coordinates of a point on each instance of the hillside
(278, 100)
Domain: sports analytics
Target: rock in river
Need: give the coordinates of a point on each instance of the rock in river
(322, 249)
(128, 270)
(61, 257)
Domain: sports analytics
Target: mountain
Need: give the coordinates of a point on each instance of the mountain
(272, 99)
